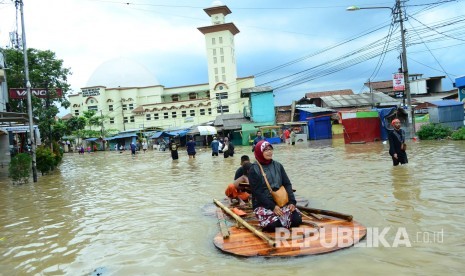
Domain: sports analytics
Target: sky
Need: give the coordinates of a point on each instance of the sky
(296, 47)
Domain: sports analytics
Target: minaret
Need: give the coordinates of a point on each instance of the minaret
(222, 71)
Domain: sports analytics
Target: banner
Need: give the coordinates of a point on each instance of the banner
(21, 93)
(398, 82)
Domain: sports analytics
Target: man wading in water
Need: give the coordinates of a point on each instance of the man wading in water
(397, 144)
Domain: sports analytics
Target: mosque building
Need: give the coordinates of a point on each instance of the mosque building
(131, 98)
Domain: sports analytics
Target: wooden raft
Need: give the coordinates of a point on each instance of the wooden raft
(332, 234)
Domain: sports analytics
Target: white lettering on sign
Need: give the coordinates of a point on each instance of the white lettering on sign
(90, 92)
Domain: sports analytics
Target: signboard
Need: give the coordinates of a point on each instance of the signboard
(21, 93)
(398, 83)
(90, 92)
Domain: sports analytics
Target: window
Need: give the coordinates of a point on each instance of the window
(125, 119)
(223, 70)
(222, 59)
(208, 94)
(215, 60)
(155, 116)
(131, 119)
(93, 107)
(173, 114)
(125, 107)
(214, 52)
(192, 112)
(131, 106)
(221, 40)
(202, 111)
(165, 115)
(148, 117)
(223, 95)
(175, 98)
(110, 107)
(76, 112)
(183, 113)
(224, 107)
(221, 51)
(216, 71)
(192, 96)
(217, 79)
(112, 120)
(209, 111)
(213, 41)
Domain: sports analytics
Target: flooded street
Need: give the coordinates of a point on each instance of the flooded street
(143, 215)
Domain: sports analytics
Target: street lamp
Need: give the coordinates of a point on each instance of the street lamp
(397, 10)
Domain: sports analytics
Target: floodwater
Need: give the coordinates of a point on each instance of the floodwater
(143, 215)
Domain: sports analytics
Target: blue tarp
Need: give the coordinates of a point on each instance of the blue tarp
(121, 136)
(179, 132)
(383, 113)
(92, 139)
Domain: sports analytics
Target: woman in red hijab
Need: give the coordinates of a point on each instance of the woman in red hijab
(268, 212)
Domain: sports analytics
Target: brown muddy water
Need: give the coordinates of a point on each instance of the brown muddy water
(143, 215)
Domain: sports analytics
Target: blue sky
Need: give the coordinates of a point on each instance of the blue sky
(163, 36)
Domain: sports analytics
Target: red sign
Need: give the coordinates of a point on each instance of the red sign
(21, 93)
(398, 82)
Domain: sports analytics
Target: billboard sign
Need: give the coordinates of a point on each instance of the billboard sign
(398, 83)
(21, 93)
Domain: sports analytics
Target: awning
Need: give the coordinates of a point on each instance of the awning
(157, 135)
(92, 139)
(207, 130)
(180, 133)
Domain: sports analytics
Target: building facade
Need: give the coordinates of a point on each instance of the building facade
(150, 105)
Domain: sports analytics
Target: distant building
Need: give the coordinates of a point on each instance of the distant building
(418, 86)
(261, 104)
(131, 97)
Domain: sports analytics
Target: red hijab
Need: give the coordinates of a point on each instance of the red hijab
(258, 151)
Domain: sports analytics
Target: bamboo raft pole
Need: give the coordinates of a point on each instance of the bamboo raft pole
(222, 223)
(326, 213)
(252, 229)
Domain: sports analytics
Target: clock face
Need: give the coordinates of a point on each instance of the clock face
(221, 87)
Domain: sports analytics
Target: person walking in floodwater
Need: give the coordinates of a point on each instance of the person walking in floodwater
(133, 149)
(397, 146)
(215, 146)
(190, 148)
(174, 149)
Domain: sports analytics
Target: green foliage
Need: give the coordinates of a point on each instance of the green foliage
(75, 124)
(45, 159)
(434, 132)
(58, 154)
(45, 71)
(20, 168)
(459, 134)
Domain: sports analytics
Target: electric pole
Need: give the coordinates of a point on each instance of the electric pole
(29, 93)
(405, 71)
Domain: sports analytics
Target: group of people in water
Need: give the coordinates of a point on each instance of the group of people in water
(272, 196)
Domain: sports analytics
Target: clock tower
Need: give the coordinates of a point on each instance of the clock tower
(222, 70)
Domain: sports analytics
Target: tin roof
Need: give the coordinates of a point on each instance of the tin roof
(314, 95)
(358, 100)
(313, 108)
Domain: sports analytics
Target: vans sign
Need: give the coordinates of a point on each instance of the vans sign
(21, 93)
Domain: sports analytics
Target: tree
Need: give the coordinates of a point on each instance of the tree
(45, 71)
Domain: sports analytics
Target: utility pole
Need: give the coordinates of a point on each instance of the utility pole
(29, 93)
(122, 114)
(102, 129)
(405, 69)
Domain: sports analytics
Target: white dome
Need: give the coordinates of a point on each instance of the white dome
(121, 72)
(217, 4)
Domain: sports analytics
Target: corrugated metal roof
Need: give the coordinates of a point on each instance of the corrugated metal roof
(314, 95)
(257, 89)
(446, 103)
(313, 108)
(358, 100)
